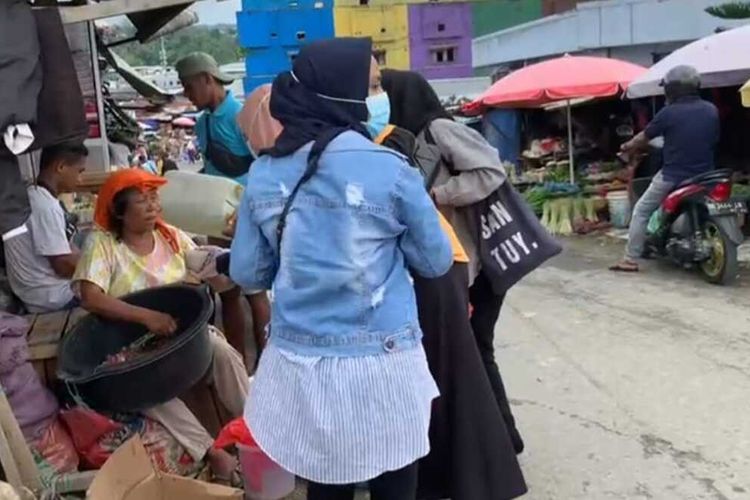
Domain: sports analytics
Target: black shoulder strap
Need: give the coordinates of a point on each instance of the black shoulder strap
(208, 131)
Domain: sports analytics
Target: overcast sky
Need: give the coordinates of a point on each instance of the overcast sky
(217, 12)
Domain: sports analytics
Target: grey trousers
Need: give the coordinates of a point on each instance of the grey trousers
(649, 202)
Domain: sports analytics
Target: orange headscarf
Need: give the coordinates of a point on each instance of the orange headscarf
(256, 122)
(126, 179)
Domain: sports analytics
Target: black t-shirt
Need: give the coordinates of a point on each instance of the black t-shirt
(690, 127)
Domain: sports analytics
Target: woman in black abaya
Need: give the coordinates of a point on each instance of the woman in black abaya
(471, 455)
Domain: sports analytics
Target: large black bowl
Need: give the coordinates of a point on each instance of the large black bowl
(152, 378)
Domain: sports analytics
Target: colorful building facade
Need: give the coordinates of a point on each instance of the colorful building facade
(440, 39)
(432, 37)
(387, 25)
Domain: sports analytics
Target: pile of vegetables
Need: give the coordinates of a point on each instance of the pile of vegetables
(537, 196)
(568, 215)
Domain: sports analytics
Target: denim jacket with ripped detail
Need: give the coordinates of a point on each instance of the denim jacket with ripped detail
(341, 284)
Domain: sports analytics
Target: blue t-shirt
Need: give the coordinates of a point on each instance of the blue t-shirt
(690, 127)
(224, 129)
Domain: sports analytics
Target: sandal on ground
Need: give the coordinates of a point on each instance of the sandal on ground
(234, 480)
(625, 267)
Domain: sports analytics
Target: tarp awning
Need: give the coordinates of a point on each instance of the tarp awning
(723, 60)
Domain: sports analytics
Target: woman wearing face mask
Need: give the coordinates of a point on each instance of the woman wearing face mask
(469, 170)
(343, 393)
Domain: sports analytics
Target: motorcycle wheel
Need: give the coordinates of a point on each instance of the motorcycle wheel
(721, 267)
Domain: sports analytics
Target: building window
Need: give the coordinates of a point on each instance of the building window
(441, 27)
(364, 2)
(380, 57)
(444, 55)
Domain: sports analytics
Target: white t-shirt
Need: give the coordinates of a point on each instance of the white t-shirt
(26, 256)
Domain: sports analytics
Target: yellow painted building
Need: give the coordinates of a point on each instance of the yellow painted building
(387, 25)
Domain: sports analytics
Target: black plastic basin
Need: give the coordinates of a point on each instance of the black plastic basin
(153, 377)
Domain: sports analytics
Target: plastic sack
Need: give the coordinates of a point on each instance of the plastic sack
(96, 437)
(233, 433)
(87, 427)
(56, 447)
(166, 453)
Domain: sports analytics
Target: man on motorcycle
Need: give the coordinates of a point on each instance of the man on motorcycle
(690, 130)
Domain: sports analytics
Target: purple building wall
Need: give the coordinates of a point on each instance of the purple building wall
(440, 39)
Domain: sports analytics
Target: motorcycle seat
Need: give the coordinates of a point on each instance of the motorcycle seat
(712, 176)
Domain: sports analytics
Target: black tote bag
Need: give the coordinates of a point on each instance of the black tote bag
(512, 241)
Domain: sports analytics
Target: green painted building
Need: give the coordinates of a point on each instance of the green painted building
(496, 15)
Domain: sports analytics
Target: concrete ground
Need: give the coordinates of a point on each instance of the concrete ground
(628, 386)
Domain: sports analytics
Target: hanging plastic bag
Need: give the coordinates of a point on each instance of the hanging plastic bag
(235, 432)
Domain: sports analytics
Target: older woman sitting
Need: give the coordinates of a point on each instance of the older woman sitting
(133, 249)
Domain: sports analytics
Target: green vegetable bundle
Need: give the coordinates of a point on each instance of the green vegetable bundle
(536, 197)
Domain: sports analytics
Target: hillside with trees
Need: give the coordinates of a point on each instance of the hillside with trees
(220, 41)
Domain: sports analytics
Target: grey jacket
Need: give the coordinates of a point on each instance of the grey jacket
(477, 173)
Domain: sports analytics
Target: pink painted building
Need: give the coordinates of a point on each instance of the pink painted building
(440, 39)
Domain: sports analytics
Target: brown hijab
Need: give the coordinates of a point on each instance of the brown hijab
(256, 122)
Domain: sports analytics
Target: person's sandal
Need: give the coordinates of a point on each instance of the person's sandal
(233, 481)
(625, 267)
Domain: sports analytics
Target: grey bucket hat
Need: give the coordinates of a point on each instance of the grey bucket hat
(200, 62)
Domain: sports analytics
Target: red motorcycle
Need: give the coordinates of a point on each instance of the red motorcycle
(697, 225)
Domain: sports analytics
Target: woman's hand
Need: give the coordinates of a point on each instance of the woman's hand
(231, 224)
(158, 322)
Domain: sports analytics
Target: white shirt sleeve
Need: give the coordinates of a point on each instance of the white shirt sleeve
(47, 223)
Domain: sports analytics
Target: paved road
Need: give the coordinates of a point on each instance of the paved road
(628, 386)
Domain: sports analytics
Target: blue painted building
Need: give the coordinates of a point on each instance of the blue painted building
(272, 31)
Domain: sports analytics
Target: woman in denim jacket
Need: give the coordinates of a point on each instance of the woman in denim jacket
(331, 222)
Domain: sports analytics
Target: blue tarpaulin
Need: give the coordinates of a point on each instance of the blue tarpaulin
(502, 129)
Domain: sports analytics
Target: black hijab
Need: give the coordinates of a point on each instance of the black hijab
(323, 96)
(414, 103)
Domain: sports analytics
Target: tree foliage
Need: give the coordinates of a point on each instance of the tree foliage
(731, 10)
(219, 41)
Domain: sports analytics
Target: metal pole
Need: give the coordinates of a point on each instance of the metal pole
(570, 146)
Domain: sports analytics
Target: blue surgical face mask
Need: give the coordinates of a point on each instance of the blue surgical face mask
(379, 107)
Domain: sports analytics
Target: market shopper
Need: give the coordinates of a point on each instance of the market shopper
(343, 392)
(690, 130)
(41, 261)
(471, 455)
(226, 154)
(468, 170)
(133, 249)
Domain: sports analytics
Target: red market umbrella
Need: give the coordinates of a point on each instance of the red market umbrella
(563, 79)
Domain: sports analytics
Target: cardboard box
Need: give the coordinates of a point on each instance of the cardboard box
(129, 475)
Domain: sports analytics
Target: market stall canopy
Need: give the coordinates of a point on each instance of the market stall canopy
(745, 93)
(561, 79)
(723, 60)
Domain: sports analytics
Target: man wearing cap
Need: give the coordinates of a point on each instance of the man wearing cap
(226, 154)
(222, 144)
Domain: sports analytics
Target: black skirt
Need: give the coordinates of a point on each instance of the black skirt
(471, 456)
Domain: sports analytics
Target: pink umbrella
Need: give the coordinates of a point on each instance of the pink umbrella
(563, 79)
(183, 121)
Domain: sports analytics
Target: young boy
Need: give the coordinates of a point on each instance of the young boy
(41, 261)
